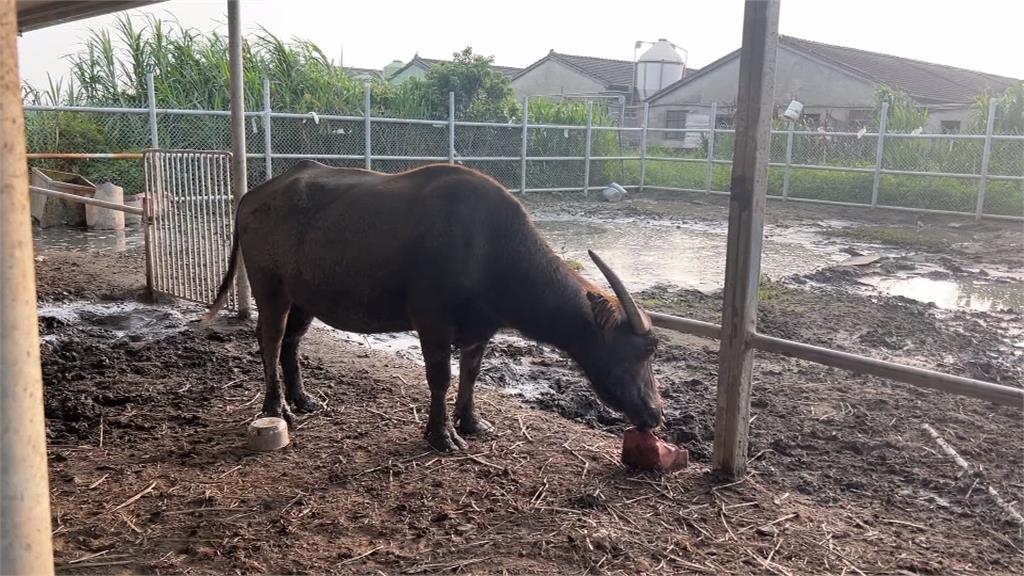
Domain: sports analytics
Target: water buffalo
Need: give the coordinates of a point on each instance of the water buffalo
(443, 250)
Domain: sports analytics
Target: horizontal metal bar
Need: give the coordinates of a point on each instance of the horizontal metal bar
(547, 158)
(309, 116)
(615, 158)
(919, 173)
(86, 200)
(677, 159)
(412, 158)
(681, 130)
(557, 126)
(385, 120)
(821, 167)
(308, 156)
(488, 158)
(44, 108)
(85, 155)
(1005, 177)
(1005, 395)
(161, 151)
(1009, 137)
(616, 129)
(467, 123)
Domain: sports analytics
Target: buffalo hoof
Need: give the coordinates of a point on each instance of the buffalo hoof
(304, 404)
(474, 425)
(446, 440)
(281, 411)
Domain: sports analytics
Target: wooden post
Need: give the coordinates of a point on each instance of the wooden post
(25, 543)
(746, 225)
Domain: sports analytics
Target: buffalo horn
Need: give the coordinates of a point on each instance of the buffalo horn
(637, 319)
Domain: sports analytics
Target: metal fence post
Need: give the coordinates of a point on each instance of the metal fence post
(267, 153)
(643, 145)
(879, 153)
(789, 160)
(154, 134)
(366, 124)
(451, 127)
(522, 159)
(709, 170)
(986, 154)
(239, 171)
(586, 153)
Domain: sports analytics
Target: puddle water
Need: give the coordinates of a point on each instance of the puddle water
(689, 255)
(93, 240)
(966, 293)
(114, 320)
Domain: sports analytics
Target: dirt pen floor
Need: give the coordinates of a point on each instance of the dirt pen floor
(147, 414)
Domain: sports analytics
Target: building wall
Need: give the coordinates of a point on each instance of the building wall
(551, 78)
(410, 72)
(936, 117)
(822, 89)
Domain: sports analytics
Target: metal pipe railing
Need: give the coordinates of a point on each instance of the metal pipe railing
(87, 200)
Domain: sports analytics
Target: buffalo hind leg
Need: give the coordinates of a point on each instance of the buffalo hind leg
(294, 392)
(273, 314)
(437, 355)
(466, 420)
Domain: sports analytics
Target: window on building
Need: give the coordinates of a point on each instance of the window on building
(675, 119)
(950, 126)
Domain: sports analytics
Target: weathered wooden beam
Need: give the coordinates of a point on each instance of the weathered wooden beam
(25, 542)
(746, 225)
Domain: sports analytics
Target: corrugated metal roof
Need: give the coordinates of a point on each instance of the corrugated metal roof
(618, 73)
(36, 14)
(925, 82)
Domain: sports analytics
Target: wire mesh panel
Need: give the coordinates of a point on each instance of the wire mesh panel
(189, 201)
(90, 132)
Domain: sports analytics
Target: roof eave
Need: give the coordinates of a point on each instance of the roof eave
(38, 14)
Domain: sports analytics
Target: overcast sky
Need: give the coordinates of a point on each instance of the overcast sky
(983, 35)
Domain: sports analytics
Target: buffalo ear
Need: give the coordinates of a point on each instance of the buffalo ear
(607, 313)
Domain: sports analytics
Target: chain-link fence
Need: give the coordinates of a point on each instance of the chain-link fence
(653, 148)
(980, 174)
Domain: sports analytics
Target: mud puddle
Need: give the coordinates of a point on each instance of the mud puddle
(108, 241)
(513, 364)
(686, 254)
(114, 321)
(970, 293)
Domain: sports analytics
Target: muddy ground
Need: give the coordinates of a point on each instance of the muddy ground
(842, 476)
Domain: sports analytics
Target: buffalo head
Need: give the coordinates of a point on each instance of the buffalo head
(618, 359)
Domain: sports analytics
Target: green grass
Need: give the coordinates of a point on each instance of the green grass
(927, 192)
(902, 237)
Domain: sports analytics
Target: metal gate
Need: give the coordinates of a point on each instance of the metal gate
(191, 215)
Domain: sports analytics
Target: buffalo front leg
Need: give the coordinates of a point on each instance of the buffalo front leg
(439, 433)
(466, 420)
(294, 392)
